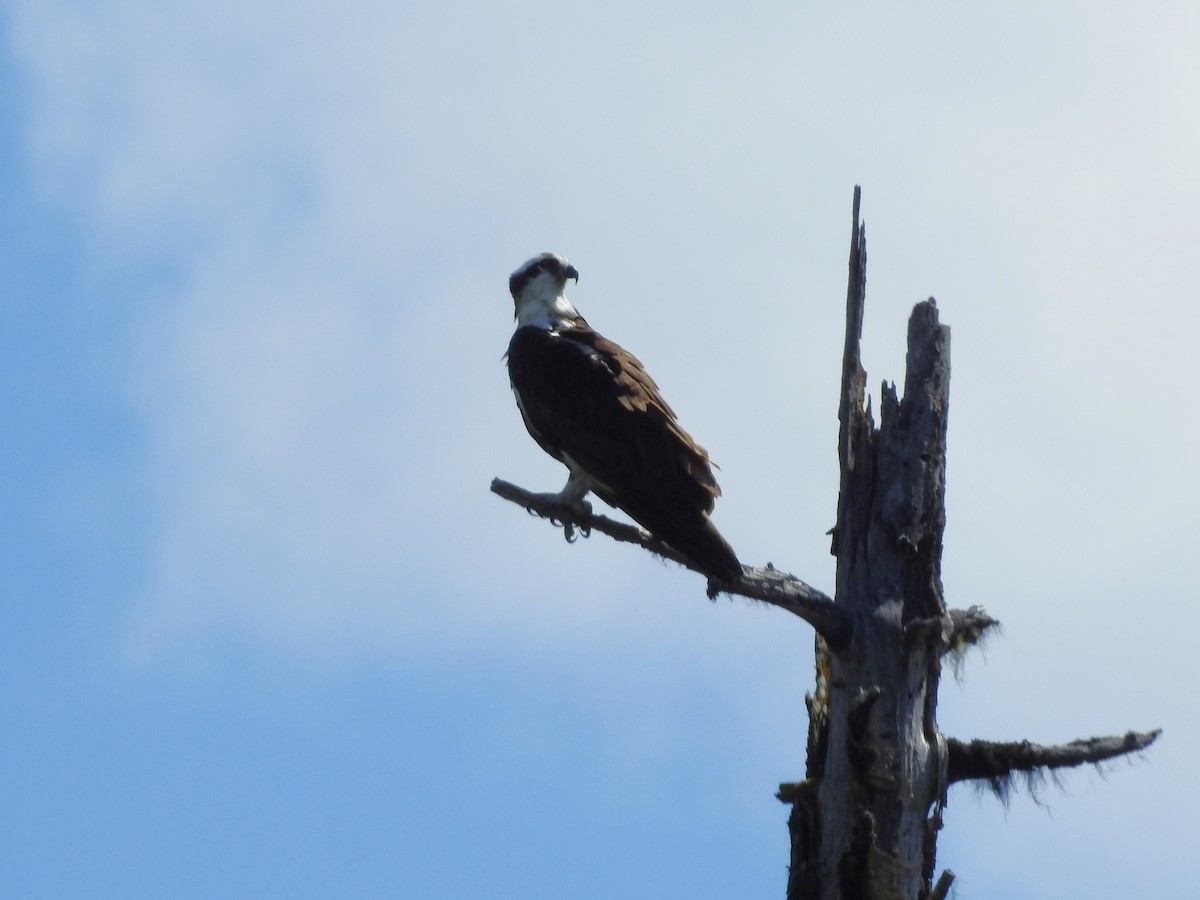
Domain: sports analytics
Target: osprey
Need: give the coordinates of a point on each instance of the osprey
(591, 405)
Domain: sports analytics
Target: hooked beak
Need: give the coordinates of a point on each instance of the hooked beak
(570, 272)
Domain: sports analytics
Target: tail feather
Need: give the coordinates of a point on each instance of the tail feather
(710, 552)
(693, 535)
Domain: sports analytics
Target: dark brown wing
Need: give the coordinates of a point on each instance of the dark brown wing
(584, 396)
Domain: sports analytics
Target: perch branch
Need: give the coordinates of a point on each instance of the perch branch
(768, 584)
(993, 761)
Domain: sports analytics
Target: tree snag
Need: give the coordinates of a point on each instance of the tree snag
(865, 820)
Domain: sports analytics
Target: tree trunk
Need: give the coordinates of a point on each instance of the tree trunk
(867, 824)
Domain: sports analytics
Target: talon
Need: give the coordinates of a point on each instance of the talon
(569, 533)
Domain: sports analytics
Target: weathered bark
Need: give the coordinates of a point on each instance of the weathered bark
(881, 783)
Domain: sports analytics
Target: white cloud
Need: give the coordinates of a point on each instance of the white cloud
(344, 190)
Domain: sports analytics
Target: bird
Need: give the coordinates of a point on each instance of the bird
(591, 405)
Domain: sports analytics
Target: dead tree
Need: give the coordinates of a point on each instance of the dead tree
(865, 820)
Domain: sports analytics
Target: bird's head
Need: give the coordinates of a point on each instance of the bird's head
(537, 291)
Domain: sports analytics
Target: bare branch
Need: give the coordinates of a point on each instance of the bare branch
(786, 591)
(942, 888)
(570, 517)
(969, 626)
(955, 630)
(994, 761)
(770, 585)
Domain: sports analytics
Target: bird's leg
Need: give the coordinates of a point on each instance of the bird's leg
(574, 491)
(572, 495)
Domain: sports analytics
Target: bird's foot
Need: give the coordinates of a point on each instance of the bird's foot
(580, 511)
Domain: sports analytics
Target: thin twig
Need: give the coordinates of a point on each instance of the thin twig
(942, 888)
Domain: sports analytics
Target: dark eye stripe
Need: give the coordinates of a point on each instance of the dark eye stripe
(547, 262)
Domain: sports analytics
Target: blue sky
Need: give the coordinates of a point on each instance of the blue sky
(265, 633)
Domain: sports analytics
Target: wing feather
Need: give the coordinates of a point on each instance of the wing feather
(584, 397)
